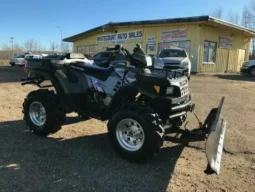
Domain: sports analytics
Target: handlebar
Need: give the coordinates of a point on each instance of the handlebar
(120, 48)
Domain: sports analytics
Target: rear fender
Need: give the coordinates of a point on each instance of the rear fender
(65, 101)
(48, 76)
(45, 74)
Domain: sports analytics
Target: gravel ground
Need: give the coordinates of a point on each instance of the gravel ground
(79, 157)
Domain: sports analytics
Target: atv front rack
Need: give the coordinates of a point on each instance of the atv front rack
(161, 73)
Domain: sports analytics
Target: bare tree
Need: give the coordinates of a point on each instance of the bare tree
(249, 22)
(218, 13)
(66, 48)
(233, 17)
(53, 47)
(57, 47)
(30, 45)
(17, 47)
(40, 47)
(6, 47)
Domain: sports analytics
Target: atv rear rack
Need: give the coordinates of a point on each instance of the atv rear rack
(35, 81)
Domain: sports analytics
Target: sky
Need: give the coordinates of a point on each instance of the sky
(39, 19)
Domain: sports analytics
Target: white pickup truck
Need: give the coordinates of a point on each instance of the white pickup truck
(173, 58)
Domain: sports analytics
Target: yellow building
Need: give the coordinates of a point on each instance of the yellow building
(215, 45)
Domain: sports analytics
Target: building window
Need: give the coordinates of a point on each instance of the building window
(79, 49)
(87, 49)
(209, 52)
(151, 49)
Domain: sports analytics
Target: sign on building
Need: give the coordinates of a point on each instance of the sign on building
(174, 35)
(151, 40)
(225, 42)
(123, 36)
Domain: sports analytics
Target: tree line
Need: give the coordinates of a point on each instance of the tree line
(246, 19)
(32, 45)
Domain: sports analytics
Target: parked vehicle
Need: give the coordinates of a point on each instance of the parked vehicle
(33, 57)
(248, 67)
(173, 58)
(104, 58)
(18, 60)
(89, 57)
(71, 57)
(55, 56)
(138, 110)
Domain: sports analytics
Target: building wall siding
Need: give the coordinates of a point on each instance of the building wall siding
(226, 59)
(153, 30)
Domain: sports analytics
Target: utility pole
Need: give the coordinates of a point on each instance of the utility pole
(61, 39)
(12, 43)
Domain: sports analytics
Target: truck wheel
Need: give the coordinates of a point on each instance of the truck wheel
(252, 72)
(42, 113)
(135, 133)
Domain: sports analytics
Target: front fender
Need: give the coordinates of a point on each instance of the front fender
(124, 93)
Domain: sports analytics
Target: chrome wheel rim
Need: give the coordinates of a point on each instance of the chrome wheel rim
(130, 134)
(253, 72)
(37, 113)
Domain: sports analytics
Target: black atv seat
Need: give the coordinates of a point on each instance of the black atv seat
(94, 71)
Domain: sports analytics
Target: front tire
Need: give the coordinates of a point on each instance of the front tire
(252, 71)
(135, 133)
(42, 112)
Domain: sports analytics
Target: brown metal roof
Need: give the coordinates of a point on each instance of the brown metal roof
(162, 21)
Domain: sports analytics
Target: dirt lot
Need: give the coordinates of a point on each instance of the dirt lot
(79, 157)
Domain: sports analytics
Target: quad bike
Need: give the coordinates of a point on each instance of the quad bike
(139, 102)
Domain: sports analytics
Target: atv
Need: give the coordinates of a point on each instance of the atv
(140, 103)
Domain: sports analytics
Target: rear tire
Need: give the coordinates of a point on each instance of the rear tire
(141, 137)
(42, 112)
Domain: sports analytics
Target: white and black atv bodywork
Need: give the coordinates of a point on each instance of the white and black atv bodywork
(139, 102)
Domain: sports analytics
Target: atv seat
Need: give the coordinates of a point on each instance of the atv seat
(100, 73)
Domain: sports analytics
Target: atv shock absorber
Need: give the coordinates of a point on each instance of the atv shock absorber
(124, 76)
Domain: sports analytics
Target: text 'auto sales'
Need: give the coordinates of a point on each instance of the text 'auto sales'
(121, 36)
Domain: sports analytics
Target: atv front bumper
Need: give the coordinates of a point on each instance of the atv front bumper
(173, 107)
(213, 132)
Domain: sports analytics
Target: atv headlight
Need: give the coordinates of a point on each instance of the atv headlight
(169, 90)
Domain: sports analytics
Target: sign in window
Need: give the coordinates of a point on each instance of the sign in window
(209, 55)
(181, 44)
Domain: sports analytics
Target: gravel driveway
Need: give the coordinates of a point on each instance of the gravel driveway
(79, 157)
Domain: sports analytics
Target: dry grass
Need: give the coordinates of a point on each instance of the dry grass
(4, 62)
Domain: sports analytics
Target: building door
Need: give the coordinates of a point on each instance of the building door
(241, 57)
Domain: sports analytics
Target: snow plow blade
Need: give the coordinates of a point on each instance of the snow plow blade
(216, 127)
